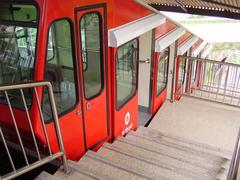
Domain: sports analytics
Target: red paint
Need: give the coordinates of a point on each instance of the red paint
(163, 29)
(119, 125)
(157, 100)
(94, 124)
(184, 38)
(197, 44)
(81, 132)
(178, 90)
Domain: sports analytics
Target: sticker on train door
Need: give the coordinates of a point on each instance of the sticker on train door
(129, 125)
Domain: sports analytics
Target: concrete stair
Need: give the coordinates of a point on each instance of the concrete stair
(149, 154)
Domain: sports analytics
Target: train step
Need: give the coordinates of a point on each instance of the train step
(149, 154)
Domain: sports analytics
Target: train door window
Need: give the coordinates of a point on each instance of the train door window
(181, 72)
(18, 36)
(126, 72)
(194, 70)
(92, 56)
(162, 73)
(60, 68)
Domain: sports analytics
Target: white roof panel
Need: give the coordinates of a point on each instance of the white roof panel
(170, 38)
(188, 44)
(122, 34)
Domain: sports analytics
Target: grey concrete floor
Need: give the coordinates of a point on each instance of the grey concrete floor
(201, 121)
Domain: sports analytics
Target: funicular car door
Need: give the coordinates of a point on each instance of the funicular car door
(91, 32)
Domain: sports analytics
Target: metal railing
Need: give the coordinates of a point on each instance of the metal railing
(41, 158)
(234, 166)
(212, 80)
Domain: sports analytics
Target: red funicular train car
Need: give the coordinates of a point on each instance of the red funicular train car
(91, 52)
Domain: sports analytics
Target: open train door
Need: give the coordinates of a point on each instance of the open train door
(91, 30)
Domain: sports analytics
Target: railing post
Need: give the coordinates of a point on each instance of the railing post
(58, 130)
(234, 166)
(60, 153)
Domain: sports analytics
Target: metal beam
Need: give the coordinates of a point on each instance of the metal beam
(196, 11)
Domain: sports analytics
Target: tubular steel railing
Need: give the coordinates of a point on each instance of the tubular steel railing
(234, 166)
(41, 160)
(211, 80)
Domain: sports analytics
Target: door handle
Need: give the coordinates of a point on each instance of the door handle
(79, 112)
(88, 106)
(145, 61)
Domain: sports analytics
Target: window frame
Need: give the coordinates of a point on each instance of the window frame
(75, 66)
(102, 52)
(128, 98)
(160, 92)
(29, 25)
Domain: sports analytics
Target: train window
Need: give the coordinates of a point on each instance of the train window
(126, 72)
(194, 70)
(16, 12)
(60, 70)
(92, 56)
(181, 73)
(17, 49)
(162, 73)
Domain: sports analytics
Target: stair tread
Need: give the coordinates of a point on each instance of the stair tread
(73, 175)
(132, 165)
(204, 148)
(148, 168)
(158, 148)
(212, 154)
(105, 170)
(160, 159)
(45, 176)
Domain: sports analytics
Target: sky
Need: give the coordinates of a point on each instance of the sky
(225, 31)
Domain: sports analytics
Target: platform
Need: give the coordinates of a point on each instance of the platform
(201, 121)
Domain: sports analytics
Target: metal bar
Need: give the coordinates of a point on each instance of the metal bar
(40, 161)
(233, 170)
(32, 166)
(16, 128)
(23, 86)
(30, 123)
(211, 61)
(225, 84)
(209, 100)
(42, 121)
(7, 150)
(57, 127)
(234, 81)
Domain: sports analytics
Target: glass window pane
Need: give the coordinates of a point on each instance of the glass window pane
(194, 71)
(162, 74)
(17, 57)
(126, 72)
(59, 70)
(15, 12)
(181, 73)
(92, 57)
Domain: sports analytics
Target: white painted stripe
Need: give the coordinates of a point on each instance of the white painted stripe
(182, 49)
(199, 48)
(122, 34)
(163, 42)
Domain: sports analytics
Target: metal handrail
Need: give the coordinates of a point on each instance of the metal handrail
(40, 161)
(216, 81)
(208, 60)
(234, 166)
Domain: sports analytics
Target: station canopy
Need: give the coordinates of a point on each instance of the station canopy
(220, 8)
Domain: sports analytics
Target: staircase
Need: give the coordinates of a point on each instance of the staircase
(149, 154)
